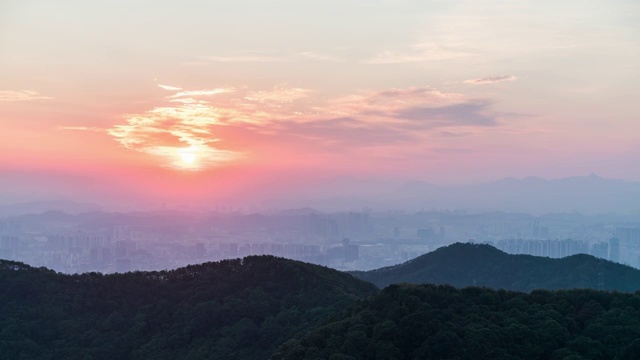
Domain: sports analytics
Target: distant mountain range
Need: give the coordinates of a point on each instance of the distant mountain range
(468, 264)
(587, 194)
(591, 195)
(39, 207)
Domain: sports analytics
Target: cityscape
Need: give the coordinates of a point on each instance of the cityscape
(364, 240)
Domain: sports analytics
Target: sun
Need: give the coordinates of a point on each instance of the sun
(188, 157)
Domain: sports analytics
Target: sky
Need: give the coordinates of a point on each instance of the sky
(187, 100)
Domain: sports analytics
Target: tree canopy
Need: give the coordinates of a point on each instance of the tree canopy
(233, 309)
(442, 322)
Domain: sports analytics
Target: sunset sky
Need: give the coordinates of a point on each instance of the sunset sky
(183, 98)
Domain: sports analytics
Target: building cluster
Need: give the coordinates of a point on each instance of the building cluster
(108, 253)
(346, 240)
(350, 224)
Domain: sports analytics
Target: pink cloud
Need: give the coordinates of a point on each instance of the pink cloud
(21, 95)
(169, 87)
(491, 80)
(193, 130)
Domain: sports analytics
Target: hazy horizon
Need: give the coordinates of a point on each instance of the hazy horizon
(590, 195)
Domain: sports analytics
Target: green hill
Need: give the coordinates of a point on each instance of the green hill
(442, 322)
(265, 306)
(463, 265)
(234, 309)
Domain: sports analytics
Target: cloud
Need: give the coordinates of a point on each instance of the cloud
(21, 95)
(452, 134)
(466, 114)
(169, 87)
(80, 128)
(491, 80)
(247, 59)
(278, 95)
(340, 133)
(452, 150)
(187, 127)
(196, 124)
(422, 52)
(197, 93)
(172, 132)
(383, 104)
(386, 101)
(267, 58)
(312, 55)
(392, 116)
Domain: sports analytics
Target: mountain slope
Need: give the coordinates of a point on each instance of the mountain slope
(441, 322)
(463, 265)
(233, 309)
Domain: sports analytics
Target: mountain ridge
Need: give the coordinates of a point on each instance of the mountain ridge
(231, 309)
(462, 265)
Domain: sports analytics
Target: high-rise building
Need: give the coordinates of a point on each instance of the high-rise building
(614, 249)
(629, 237)
(425, 235)
(535, 229)
(600, 250)
(9, 246)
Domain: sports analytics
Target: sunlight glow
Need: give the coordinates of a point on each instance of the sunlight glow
(188, 157)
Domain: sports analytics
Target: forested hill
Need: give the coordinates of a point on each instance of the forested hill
(463, 265)
(234, 309)
(442, 322)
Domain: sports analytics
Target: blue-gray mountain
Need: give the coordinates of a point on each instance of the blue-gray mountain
(591, 195)
(463, 265)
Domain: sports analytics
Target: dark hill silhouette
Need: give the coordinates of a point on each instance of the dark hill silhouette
(233, 309)
(463, 265)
